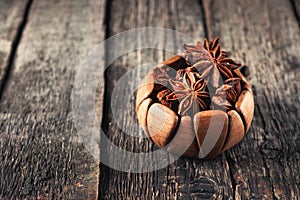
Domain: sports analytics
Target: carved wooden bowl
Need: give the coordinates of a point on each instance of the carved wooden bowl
(204, 134)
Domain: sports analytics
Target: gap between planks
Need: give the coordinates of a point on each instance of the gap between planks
(105, 110)
(296, 9)
(14, 48)
(204, 5)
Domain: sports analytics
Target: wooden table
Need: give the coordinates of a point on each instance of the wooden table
(41, 46)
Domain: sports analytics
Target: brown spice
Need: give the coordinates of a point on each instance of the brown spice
(210, 61)
(226, 95)
(191, 93)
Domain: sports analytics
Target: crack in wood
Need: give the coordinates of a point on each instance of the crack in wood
(14, 48)
(295, 11)
(208, 30)
(269, 175)
(106, 95)
(231, 173)
(205, 20)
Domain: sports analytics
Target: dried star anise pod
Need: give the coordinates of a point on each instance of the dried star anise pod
(161, 77)
(195, 53)
(210, 46)
(226, 95)
(190, 93)
(235, 83)
(180, 74)
(189, 71)
(220, 57)
(210, 61)
(161, 96)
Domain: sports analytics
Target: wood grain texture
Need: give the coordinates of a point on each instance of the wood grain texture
(184, 140)
(211, 128)
(296, 6)
(236, 130)
(41, 155)
(245, 107)
(161, 123)
(142, 113)
(12, 15)
(265, 34)
(145, 89)
(186, 178)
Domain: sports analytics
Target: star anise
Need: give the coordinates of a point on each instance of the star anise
(210, 61)
(189, 71)
(226, 95)
(195, 53)
(209, 46)
(161, 96)
(190, 92)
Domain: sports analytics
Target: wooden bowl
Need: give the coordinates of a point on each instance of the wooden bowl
(204, 135)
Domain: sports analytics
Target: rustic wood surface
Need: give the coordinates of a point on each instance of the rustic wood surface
(41, 46)
(12, 15)
(41, 156)
(184, 140)
(161, 123)
(265, 34)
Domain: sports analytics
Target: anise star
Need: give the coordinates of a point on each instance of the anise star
(226, 95)
(190, 93)
(210, 61)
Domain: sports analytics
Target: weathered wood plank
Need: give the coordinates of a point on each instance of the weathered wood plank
(265, 34)
(186, 178)
(41, 156)
(12, 16)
